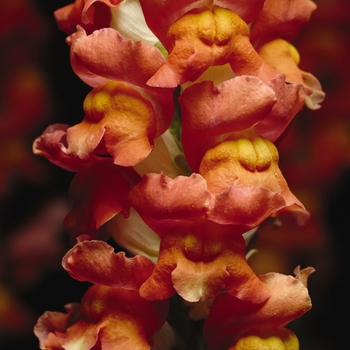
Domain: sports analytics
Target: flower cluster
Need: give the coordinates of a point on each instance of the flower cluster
(175, 160)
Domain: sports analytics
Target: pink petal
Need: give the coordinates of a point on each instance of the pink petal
(290, 100)
(106, 55)
(209, 112)
(52, 145)
(96, 262)
(281, 19)
(160, 199)
(244, 206)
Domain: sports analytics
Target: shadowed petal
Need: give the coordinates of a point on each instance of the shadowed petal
(96, 262)
(229, 316)
(115, 319)
(134, 235)
(98, 192)
(51, 326)
(284, 57)
(290, 100)
(91, 14)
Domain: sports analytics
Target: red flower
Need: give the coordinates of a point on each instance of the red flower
(231, 319)
(202, 249)
(112, 314)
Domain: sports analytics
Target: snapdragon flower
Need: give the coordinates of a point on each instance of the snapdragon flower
(178, 81)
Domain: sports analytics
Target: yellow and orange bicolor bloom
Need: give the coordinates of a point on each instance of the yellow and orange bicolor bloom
(186, 227)
(112, 315)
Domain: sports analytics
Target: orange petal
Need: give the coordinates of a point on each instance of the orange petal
(281, 19)
(51, 326)
(119, 116)
(104, 54)
(198, 259)
(290, 100)
(249, 164)
(203, 38)
(160, 15)
(160, 199)
(283, 57)
(115, 319)
(96, 262)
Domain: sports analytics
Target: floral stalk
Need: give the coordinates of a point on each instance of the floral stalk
(175, 160)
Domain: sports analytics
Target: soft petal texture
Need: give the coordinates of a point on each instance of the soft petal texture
(210, 113)
(160, 199)
(129, 21)
(249, 164)
(114, 314)
(198, 260)
(290, 100)
(134, 114)
(115, 319)
(98, 193)
(118, 116)
(96, 262)
(160, 15)
(91, 14)
(267, 338)
(230, 316)
(190, 243)
(283, 18)
(52, 145)
(106, 55)
(134, 235)
(51, 326)
(280, 55)
(162, 158)
(208, 37)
